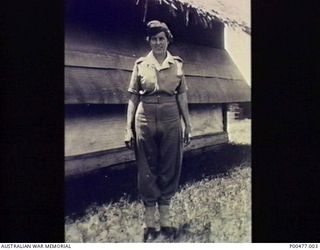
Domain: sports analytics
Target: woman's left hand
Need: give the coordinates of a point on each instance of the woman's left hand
(187, 136)
(129, 139)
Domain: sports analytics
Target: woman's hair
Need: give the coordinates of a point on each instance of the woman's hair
(154, 27)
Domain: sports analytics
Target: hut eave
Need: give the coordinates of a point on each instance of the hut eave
(207, 11)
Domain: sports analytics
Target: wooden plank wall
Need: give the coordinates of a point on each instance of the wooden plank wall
(75, 165)
(92, 129)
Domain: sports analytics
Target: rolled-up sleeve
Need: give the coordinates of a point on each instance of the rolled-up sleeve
(182, 88)
(134, 81)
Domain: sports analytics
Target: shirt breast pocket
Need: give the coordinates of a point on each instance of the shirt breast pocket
(148, 78)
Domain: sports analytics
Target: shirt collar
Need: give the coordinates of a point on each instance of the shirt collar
(166, 63)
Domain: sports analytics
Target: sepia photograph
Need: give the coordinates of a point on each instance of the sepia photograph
(157, 126)
(158, 121)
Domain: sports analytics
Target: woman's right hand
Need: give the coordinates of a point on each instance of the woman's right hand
(187, 135)
(129, 139)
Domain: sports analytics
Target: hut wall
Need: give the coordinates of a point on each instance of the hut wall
(96, 128)
(93, 128)
(87, 162)
(101, 46)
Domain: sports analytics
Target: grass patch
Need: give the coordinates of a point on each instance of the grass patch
(239, 131)
(210, 210)
(212, 205)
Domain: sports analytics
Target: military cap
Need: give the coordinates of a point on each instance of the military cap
(154, 27)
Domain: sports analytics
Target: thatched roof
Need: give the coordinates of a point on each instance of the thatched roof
(234, 13)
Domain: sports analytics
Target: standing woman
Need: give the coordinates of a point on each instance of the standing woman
(158, 100)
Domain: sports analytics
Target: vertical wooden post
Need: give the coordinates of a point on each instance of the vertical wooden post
(224, 117)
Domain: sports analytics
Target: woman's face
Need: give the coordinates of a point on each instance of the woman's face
(159, 43)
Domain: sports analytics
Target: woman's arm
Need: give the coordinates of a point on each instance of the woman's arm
(132, 107)
(183, 105)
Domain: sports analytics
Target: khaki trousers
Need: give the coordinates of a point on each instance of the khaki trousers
(159, 150)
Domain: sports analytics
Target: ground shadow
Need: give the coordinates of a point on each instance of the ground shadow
(110, 184)
(213, 162)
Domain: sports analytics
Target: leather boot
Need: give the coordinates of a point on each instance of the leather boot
(150, 234)
(169, 233)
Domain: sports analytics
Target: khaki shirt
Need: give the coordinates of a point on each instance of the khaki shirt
(149, 77)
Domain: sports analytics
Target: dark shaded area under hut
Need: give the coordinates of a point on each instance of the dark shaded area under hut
(112, 183)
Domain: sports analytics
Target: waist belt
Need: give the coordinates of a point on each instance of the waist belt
(157, 98)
